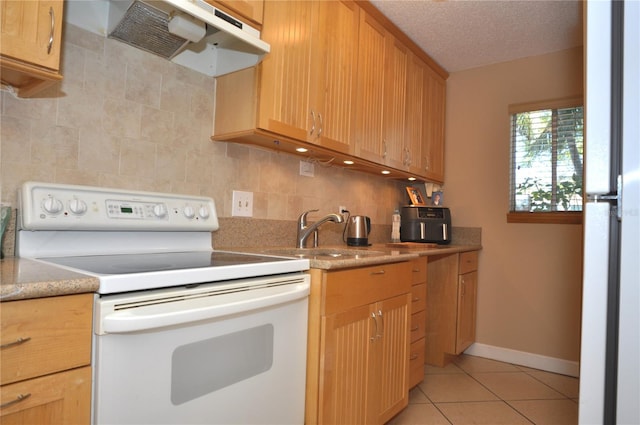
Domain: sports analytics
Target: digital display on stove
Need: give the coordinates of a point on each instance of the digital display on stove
(126, 210)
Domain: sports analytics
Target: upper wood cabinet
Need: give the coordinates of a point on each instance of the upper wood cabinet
(336, 78)
(31, 33)
(251, 10)
(432, 157)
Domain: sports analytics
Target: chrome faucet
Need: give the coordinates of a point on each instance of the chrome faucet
(304, 231)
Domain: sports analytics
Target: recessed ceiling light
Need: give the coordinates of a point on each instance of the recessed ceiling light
(412, 178)
(386, 172)
(348, 162)
(301, 150)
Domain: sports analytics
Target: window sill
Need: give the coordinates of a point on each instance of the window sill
(573, 217)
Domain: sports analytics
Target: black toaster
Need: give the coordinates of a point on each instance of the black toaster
(425, 224)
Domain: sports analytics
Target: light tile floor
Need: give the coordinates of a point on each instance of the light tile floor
(473, 390)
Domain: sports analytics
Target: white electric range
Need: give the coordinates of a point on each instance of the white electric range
(183, 333)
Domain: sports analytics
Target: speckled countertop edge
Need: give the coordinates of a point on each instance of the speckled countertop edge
(388, 255)
(21, 278)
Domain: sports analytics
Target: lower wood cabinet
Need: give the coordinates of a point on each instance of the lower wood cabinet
(359, 342)
(418, 320)
(45, 357)
(452, 284)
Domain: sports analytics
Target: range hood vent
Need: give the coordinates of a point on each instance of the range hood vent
(147, 28)
(192, 33)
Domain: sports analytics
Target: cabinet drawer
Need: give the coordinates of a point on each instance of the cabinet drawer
(44, 335)
(346, 289)
(61, 398)
(418, 298)
(468, 262)
(416, 363)
(418, 271)
(418, 325)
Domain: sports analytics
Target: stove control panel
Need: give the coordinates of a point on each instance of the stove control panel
(49, 206)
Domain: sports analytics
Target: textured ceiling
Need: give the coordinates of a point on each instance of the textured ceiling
(464, 34)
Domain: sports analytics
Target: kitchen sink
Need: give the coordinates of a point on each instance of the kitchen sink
(324, 253)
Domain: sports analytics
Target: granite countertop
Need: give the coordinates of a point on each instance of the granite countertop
(21, 278)
(349, 256)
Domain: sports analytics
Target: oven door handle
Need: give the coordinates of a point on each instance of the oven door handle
(148, 317)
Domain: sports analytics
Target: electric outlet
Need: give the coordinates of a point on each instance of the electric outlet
(343, 211)
(307, 168)
(242, 204)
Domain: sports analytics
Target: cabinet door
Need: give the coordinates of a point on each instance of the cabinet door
(285, 71)
(333, 74)
(370, 93)
(60, 398)
(391, 388)
(395, 86)
(31, 31)
(433, 127)
(346, 365)
(466, 320)
(414, 115)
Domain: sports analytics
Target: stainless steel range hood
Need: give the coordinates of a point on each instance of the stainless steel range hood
(192, 33)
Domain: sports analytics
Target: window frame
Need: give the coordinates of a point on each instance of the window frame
(542, 217)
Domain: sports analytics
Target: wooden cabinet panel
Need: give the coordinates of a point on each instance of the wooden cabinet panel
(433, 127)
(416, 362)
(395, 86)
(466, 320)
(451, 306)
(418, 270)
(414, 114)
(60, 398)
(56, 334)
(468, 262)
(346, 367)
(333, 74)
(31, 33)
(345, 289)
(418, 325)
(392, 386)
(285, 71)
(418, 297)
(370, 92)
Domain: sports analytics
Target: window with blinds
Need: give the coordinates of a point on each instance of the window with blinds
(547, 142)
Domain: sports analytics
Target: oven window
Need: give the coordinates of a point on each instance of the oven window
(206, 366)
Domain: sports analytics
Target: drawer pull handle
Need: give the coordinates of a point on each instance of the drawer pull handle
(378, 272)
(413, 357)
(16, 342)
(416, 270)
(416, 299)
(415, 328)
(21, 397)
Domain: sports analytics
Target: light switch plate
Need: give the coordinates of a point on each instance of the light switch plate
(242, 204)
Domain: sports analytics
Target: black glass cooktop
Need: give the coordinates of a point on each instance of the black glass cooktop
(141, 263)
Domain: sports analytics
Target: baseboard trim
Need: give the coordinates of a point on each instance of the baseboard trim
(535, 361)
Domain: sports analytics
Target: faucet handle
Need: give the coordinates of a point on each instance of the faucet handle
(302, 220)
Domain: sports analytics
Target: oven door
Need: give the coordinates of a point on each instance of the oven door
(214, 354)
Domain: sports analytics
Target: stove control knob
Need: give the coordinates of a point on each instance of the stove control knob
(160, 210)
(203, 213)
(77, 206)
(52, 205)
(189, 212)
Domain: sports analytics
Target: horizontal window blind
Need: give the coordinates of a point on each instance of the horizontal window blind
(547, 159)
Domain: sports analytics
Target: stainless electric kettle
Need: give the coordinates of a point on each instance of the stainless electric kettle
(358, 228)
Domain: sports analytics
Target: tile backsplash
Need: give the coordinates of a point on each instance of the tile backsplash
(125, 118)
